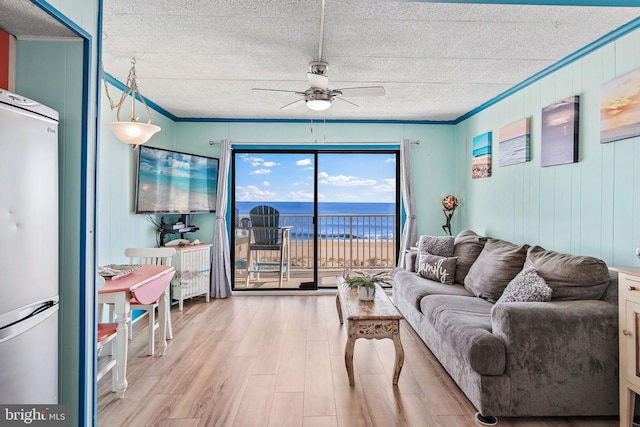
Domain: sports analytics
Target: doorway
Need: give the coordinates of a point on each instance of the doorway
(301, 217)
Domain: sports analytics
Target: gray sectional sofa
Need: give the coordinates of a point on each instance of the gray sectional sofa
(555, 358)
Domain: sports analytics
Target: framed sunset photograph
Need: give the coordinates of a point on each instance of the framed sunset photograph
(620, 108)
(560, 132)
(513, 143)
(481, 162)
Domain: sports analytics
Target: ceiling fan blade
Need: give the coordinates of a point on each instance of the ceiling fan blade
(362, 91)
(347, 101)
(318, 81)
(279, 90)
(293, 104)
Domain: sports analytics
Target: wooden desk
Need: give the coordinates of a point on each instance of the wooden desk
(375, 319)
(148, 283)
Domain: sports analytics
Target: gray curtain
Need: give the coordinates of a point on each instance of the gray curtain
(409, 231)
(221, 266)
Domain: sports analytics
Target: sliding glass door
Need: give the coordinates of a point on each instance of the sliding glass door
(302, 217)
(357, 213)
(274, 205)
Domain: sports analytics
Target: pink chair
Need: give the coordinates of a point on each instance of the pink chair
(151, 256)
(106, 334)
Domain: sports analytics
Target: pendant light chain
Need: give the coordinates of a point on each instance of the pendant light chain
(130, 83)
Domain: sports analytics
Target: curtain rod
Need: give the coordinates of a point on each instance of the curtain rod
(317, 142)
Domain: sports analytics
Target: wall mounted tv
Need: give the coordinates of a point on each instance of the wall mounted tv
(170, 182)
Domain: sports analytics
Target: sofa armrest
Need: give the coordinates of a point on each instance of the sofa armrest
(560, 352)
(410, 260)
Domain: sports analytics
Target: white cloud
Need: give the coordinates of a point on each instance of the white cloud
(299, 196)
(266, 183)
(344, 180)
(255, 161)
(390, 160)
(388, 186)
(260, 172)
(270, 164)
(303, 162)
(251, 192)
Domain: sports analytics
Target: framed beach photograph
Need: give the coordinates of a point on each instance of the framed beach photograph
(560, 132)
(620, 108)
(481, 162)
(513, 143)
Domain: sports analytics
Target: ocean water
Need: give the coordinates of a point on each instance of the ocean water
(337, 220)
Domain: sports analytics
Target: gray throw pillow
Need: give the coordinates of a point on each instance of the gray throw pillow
(435, 245)
(438, 268)
(496, 266)
(571, 277)
(527, 286)
(467, 247)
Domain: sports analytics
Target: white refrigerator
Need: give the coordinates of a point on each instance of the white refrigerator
(28, 251)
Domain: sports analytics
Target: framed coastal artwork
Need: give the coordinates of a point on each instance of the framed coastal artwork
(620, 108)
(560, 132)
(513, 143)
(481, 162)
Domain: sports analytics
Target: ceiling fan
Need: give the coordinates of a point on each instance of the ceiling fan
(319, 97)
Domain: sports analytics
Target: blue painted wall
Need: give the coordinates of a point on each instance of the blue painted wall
(591, 207)
(62, 75)
(119, 227)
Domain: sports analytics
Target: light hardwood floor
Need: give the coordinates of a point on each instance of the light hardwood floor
(278, 361)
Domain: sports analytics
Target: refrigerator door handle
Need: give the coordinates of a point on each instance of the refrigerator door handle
(32, 319)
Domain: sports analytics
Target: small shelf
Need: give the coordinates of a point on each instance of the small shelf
(193, 272)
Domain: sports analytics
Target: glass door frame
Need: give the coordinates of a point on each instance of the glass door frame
(315, 152)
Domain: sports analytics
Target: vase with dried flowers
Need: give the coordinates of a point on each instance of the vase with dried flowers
(449, 205)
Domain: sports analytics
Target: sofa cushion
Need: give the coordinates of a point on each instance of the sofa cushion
(438, 268)
(435, 245)
(465, 324)
(496, 266)
(413, 288)
(527, 286)
(571, 277)
(467, 247)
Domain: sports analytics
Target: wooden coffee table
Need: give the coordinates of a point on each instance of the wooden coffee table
(375, 319)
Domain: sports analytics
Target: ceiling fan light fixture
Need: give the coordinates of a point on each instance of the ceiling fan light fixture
(318, 104)
(318, 100)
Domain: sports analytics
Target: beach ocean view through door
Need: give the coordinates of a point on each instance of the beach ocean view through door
(350, 222)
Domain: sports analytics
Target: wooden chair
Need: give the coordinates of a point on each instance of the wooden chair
(151, 256)
(265, 234)
(106, 334)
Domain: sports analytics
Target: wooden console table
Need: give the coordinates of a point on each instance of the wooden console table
(629, 338)
(375, 319)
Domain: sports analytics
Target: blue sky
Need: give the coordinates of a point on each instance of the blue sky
(342, 177)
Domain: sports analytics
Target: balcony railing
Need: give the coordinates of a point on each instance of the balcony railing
(344, 241)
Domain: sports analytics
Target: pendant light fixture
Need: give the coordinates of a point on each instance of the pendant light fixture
(131, 132)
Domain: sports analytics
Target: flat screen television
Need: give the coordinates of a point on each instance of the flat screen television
(171, 182)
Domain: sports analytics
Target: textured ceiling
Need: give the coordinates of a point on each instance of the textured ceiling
(24, 19)
(437, 61)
